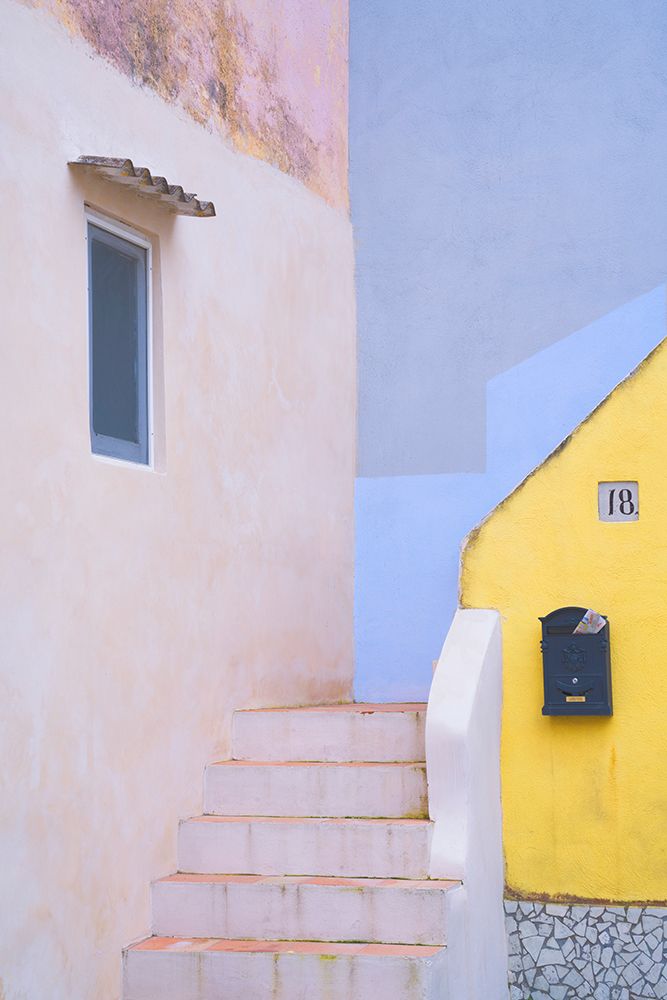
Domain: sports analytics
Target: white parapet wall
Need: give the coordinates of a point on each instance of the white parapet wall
(463, 766)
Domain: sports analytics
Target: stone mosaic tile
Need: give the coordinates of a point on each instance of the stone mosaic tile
(559, 952)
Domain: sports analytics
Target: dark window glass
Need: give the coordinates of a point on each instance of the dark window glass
(118, 346)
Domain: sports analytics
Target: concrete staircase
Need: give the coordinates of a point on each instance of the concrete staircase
(307, 876)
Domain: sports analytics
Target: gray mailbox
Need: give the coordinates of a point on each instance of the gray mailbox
(577, 668)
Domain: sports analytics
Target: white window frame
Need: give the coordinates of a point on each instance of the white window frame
(125, 232)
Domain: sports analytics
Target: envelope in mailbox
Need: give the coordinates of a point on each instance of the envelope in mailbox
(590, 624)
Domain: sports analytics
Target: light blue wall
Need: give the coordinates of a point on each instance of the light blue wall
(507, 176)
(409, 528)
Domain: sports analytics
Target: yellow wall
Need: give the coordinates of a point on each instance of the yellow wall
(585, 799)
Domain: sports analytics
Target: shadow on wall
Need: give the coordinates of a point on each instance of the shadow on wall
(507, 177)
(409, 528)
(507, 184)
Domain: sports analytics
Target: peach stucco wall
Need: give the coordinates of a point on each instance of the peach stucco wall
(139, 608)
(270, 74)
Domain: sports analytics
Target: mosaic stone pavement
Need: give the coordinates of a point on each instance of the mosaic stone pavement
(603, 952)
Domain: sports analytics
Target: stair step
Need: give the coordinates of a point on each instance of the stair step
(245, 788)
(299, 908)
(336, 733)
(214, 969)
(356, 848)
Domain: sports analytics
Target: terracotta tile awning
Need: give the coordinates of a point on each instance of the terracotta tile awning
(140, 179)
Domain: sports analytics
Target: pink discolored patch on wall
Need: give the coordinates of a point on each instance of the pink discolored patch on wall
(270, 74)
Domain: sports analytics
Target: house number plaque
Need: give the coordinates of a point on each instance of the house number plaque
(618, 501)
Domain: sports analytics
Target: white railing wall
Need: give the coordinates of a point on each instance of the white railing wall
(463, 764)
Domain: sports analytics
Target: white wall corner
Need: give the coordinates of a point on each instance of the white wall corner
(463, 766)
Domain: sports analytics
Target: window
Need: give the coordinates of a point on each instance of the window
(118, 268)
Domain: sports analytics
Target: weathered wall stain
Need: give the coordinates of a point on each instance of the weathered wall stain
(269, 74)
